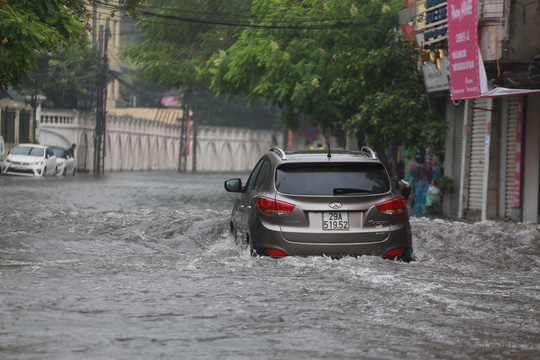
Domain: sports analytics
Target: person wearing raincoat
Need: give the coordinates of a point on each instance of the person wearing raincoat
(422, 173)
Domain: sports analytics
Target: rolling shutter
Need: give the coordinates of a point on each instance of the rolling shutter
(476, 165)
(511, 155)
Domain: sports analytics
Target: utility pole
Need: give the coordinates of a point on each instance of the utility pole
(194, 127)
(181, 151)
(101, 105)
(184, 136)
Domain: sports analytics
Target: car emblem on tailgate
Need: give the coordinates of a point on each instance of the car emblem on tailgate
(335, 205)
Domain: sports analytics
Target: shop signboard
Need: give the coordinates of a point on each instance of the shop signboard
(436, 78)
(463, 49)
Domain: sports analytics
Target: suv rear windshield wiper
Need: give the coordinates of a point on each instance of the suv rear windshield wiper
(351, 191)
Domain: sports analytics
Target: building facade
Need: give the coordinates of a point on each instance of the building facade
(492, 150)
(106, 34)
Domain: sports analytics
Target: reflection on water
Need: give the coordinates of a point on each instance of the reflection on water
(141, 265)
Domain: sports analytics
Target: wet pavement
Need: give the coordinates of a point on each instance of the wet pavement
(142, 266)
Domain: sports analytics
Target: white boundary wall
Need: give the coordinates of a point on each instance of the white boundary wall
(134, 144)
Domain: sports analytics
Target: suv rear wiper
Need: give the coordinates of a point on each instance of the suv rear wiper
(351, 191)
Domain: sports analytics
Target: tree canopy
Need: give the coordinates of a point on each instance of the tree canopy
(330, 61)
(67, 76)
(385, 97)
(289, 59)
(326, 60)
(180, 37)
(31, 28)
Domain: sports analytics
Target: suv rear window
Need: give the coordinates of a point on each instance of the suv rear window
(332, 179)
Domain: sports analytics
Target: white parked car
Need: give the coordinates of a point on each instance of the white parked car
(65, 164)
(30, 160)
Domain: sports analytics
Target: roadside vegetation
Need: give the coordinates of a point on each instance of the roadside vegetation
(30, 29)
(341, 65)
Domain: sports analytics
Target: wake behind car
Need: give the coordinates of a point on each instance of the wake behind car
(65, 164)
(30, 160)
(336, 204)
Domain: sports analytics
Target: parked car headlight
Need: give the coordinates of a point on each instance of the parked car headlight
(37, 163)
(8, 161)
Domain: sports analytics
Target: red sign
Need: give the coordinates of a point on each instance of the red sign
(171, 101)
(463, 49)
(408, 32)
(289, 143)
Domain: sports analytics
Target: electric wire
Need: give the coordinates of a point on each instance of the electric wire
(248, 17)
(325, 24)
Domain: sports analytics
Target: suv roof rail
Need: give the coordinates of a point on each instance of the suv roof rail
(370, 153)
(280, 152)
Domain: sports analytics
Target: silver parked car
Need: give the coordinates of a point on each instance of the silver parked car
(30, 160)
(335, 203)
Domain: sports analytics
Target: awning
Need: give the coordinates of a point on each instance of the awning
(497, 91)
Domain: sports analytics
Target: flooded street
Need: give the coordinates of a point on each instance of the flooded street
(142, 266)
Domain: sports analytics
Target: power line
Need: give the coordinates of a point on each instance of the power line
(325, 24)
(238, 14)
(246, 25)
(250, 17)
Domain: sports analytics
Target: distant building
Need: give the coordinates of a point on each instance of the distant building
(105, 25)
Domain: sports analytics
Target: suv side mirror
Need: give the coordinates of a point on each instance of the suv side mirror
(233, 185)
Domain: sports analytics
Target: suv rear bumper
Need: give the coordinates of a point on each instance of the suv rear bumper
(399, 238)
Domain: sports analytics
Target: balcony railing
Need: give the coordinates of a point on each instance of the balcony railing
(57, 117)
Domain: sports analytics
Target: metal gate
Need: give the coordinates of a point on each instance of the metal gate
(511, 155)
(25, 119)
(478, 144)
(8, 125)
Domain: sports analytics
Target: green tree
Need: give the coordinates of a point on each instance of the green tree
(31, 28)
(68, 74)
(385, 97)
(180, 37)
(288, 59)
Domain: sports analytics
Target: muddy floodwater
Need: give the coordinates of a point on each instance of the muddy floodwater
(142, 266)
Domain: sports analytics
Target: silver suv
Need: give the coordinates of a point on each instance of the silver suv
(335, 204)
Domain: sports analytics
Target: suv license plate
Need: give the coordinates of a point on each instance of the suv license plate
(335, 221)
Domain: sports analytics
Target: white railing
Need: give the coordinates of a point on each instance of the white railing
(57, 117)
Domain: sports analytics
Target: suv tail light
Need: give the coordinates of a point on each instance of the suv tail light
(395, 252)
(271, 207)
(276, 252)
(393, 207)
